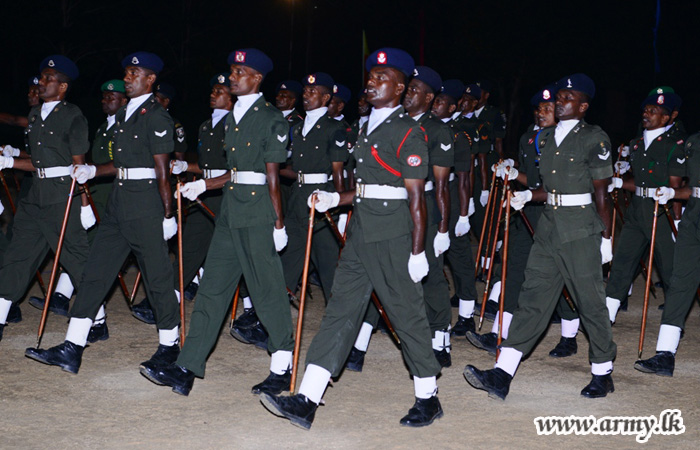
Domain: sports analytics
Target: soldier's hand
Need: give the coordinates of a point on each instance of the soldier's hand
(280, 237)
(622, 167)
(87, 217)
(472, 208)
(325, 200)
(663, 194)
(624, 151)
(615, 183)
(463, 226)
(418, 266)
(193, 189)
(169, 227)
(83, 172)
(484, 198)
(177, 166)
(606, 250)
(6, 162)
(441, 243)
(512, 173)
(519, 198)
(10, 151)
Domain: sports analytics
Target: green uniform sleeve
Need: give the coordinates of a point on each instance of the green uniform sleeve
(599, 155)
(160, 134)
(442, 151)
(413, 155)
(275, 148)
(78, 142)
(339, 146)
(676, 161)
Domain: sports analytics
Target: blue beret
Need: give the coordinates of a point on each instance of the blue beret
(113, 86)
(666, 101)
(578, 82)
(391, 57)
(61, 64)
(484, 85)
(220, 78)
(454, 88)
(290, 85)
(167, 90)
(319, 79)
(253, 58)
(546, 95)
(147, 60)
(33, 81)
(429, 77)
(474, 90)
(342, 92)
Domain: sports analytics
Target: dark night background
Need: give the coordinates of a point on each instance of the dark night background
(519, 45)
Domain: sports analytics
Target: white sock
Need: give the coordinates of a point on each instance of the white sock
(507, 318)
(613, 305)
(466, 308)
(64, 286)
(508, 360)
(280, 362)
(569, 328)
(4, 310)
(169, 337)
(247, 304)
(314, 383)
(425, 387)
(200, 274)
(177, 295)
(441, 341)
(485, 262)
(78, 330)
(669, 337)
(601, 368)
(630, 291)
(495, 292)
(499, 244)
(100, 317)
(363, 337)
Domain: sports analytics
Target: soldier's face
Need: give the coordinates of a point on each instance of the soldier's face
(363, 106)
(112, 101)
(315, 97)
(335, 107)
(484, 99)
(654, 117)
(443, 106)
(469, 103)
(285, 100)
(418, 97)
(163, 100)
(570, 104)
(50, 89)
(138, 81)
(244, 80)
(384, 86)
(220, 97)
(33, 96)
(545, 115)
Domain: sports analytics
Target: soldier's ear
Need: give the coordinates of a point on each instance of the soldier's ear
(452, 108)
(583, 107)
(430, 97)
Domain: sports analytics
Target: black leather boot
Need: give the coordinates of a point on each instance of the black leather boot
(164, 356)
(144, 312)
(423, 412)
(179, 378)
(67, 356)
(486, 341)
(565, 347)
(662, 364)
(58, 303)
(274, 384)
(599, 386)
(98, 332)
(255, 335)
(463, 326)
(495, 381)
(297, 408)
(356, 360)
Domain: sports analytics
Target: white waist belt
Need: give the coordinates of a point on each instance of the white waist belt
(213, 173)
(644, 192)
(137, 173)
(452, 176)
(429, 186)
(312, 178)
(569, 199)
(248, 177)
(381, 192)
(695, 192)
(53, 172)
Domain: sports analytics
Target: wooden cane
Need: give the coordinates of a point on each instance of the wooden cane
(302, 299)
(206, 208)
(135, 288)
(483, 225)
(504, 266)
(648, 283)
(57, 256)
(180, 266)
(235, 305)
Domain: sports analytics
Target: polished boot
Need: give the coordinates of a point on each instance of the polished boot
(599, 386)
(297, 408)
(98, 332)
(58, 303)
(462, 326)
(15, 314)
(423, 412)
(164, 356)
(255, 335)
(144, 312)
(356, 360)
(274, 384)
(565, 347)
(179, 378)
(662, 364)
(191, 290)
(246, 320)
(67, 356)
(486, 341)
(495, 381)
(443, 358)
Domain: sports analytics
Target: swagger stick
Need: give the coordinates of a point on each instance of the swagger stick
(181, 279)
(646, 288)
(235, 304)
(504, 266)
(483, 226)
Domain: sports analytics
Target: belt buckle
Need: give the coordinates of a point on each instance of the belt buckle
(557, 199)
(300, 178)
(41, 173)
(206, 173)
(123, 173)
(234, 176)
(360, 190)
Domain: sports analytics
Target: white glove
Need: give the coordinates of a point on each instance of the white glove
(418, 266)
(472, 209)
(193, 189)
(519, 198)
(326, 200)
(625, 151)
(615, 183)
(484, 198)
(177, 166)
(512, 173)
(83, 172)
(280, 237)
(87, 217)
(606, 250)
(675, 222)
(10, 151)
(463, 226)
(621, 167)
(6, 162)
(342, 222)
(498, 168)
(663, 194)
(169, 227)
(2, 207)
(441, 243)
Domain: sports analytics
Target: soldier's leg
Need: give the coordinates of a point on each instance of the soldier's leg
(436, 296)
(196, 237)
(664, 248)
(292, 256)
(632, 242)
(324, 251)
(75, 248)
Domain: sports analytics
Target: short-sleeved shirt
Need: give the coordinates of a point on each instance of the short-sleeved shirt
(210, 144)
(664, 158)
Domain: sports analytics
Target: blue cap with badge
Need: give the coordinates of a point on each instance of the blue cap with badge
(147, 60)
(166, 90)
(319, 79)
(454, 88)
(429, 77)
(253, 58)
(290, 85)
(342, 92)
(578, 82)
(220, 78)
(668, 101)
(474, 90)
(391, 57)
(546, 95)
(485, 85)
(61, 64)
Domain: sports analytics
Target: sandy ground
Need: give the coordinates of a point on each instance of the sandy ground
(110, 405)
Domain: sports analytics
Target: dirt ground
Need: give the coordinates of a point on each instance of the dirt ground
(108, 404)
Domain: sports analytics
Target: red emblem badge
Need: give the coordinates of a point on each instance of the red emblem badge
(240, 57)
(381, 58)
(414, 160)
(143, 111)
(660, 100)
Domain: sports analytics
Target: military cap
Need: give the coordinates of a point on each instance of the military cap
(113, 86)
(167, 90)
(474, 90)
(61, 64)
(578, 82)
(546, 95)
(429, 77)
(319, 79)
(33, 81)
(484, 85)
(662, 90)
(342, 92)
(253, 58)
(454, 88)
(220, 78)
(666, 101)
(147, 60)
(391, 57)
(290, 85)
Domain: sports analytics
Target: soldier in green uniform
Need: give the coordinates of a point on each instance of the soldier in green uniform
(656, 159)
(56, 138)
(568, 249)
(363, 110)
(248, 234)
(385, 237)
(139, 218)
(165, 95)
(287, 96)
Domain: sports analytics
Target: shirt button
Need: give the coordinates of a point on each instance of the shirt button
(365, 140)
(556, 153)
(233, 149)
(235, 129)
(554, 171)
(301, 155)
(38, 143)
(359, 160)
(385, 203)
(317, 147)
(359, 200)
(572, 159)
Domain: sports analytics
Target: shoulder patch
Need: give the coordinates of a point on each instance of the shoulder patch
(281, 137)
(414, 160)
(161, 133)
(340, 143)
(604, 152)
(445, 147)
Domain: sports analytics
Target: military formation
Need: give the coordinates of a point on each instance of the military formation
(403, 191)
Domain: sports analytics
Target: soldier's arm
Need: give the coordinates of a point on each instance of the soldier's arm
(23, 164)
(10, 119)
(538, 195)
(338, 180)
(442, 195)
(273, 183)
(484, 172)
(602, 203)
(288, 172)
(498, 145)
(162, 163)
(416, 203)
(463, 179)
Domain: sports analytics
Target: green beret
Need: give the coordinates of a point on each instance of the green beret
(113, 86)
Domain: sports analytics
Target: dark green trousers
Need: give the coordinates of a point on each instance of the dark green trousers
(99, 191)
(459, 256)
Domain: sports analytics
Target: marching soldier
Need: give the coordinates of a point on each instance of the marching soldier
(386, 237)
(287, 95)
(568, 248)
(341, 97)
(139, 219)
